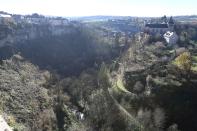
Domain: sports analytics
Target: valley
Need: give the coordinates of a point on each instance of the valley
(105, 74)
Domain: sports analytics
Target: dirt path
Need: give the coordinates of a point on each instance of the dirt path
(131, 119)
(118, 85)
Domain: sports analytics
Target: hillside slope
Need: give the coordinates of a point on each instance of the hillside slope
(23, 97)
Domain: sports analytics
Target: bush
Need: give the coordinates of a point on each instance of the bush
(11, 121)
(184, 61)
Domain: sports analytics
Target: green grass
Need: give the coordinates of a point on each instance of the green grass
(120, 86)
(194, 63)
(194, 58)
(160, 81)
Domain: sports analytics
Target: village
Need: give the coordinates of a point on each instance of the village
(32, 19)
(162, 27)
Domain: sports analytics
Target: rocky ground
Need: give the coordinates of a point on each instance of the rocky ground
(3, 124)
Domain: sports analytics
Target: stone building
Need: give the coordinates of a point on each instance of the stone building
(160, 26)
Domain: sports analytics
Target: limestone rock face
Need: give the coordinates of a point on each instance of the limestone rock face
(3, 125)
(17, 33)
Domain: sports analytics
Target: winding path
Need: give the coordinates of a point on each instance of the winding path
(135, 124)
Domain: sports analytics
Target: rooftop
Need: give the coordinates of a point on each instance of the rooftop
(157, 25)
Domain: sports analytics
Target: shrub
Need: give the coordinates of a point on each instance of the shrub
(184, 61)
(11, 121)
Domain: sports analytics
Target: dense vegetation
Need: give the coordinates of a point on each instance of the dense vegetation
(81, 81)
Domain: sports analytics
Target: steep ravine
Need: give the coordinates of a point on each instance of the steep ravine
(68, 78)
(34, 101)
(67, 50)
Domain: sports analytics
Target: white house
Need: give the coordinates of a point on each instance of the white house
(170, 37)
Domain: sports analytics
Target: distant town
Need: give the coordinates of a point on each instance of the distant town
(109, 26)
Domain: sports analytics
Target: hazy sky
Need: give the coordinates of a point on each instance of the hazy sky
(101, 7)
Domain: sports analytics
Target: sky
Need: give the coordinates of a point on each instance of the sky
(101, 7)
